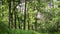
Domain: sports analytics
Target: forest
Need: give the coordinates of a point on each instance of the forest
(29, 16)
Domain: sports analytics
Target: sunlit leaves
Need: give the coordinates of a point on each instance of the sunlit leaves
(57, 3)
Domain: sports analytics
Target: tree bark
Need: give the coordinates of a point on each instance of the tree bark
(14, 13)
(9, 14)
(25, 16)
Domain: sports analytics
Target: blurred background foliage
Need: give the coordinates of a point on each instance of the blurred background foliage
(48, 21)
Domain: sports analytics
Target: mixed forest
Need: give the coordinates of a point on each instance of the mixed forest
(29, 17)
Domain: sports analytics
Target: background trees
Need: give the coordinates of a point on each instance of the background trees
(37, 15)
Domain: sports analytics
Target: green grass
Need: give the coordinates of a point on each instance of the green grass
(18, 31)
(57, 33)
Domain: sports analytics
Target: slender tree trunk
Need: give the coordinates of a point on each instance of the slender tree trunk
(9, 14)
(14, 14)
(9, 1)
(25, 16)
(32, 27)
(28, 22)
(18, 22)
(28, 19)
(19, 18)
(11, 20)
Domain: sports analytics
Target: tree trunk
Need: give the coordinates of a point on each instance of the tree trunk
(18, 22)
(14, 13)
(28, 22)
(25, 16)
(9, 14)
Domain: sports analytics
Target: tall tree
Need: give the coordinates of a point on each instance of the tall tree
(25, 16)
(9, 13)
(14, 10)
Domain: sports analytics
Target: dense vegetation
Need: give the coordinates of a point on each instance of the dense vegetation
(29, 17)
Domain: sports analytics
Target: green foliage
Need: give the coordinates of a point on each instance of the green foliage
(3, 28)
(18, 31)
(49, 23)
